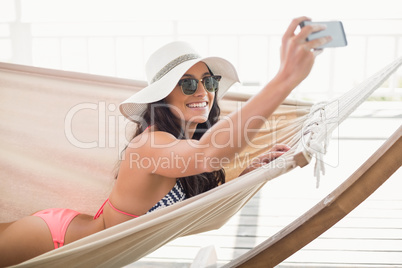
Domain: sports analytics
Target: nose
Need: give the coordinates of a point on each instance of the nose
(201, 91)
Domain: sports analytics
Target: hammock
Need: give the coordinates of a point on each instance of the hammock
(307, 134)
(336, 205)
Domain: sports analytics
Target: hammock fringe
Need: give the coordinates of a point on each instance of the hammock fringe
(127, 242)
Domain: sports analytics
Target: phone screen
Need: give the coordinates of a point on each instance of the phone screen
(334, 29)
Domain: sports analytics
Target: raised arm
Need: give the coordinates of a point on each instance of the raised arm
(231, 134)
(297, 58)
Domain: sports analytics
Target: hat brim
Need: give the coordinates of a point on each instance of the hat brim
(133, 107)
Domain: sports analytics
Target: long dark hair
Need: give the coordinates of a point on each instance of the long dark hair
(159, 115)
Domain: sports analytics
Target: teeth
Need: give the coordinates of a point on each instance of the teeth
(197, 105)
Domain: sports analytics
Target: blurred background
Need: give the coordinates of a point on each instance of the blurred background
(115, 38)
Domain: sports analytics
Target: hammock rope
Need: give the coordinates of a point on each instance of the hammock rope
(127, 242)
(325, 117)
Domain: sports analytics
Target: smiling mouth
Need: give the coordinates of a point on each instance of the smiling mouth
(197, 105)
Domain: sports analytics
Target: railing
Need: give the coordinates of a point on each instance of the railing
(120, 49)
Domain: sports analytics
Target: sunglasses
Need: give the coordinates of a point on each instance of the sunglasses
(189, 85)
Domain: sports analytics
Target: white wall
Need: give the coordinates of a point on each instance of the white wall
(115, 38)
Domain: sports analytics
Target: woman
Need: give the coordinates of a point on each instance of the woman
(179, 146)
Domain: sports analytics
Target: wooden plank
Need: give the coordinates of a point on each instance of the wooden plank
(206, 257)
(342, 259)
(361, 184)
(369, 245)
(326, 244)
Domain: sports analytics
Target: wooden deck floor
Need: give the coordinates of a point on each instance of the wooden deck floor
(370, 236)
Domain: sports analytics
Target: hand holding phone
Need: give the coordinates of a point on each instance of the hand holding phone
(334, 29)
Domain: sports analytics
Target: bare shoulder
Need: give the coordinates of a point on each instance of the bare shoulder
(145, 147)
(149, 141)
(160, 153)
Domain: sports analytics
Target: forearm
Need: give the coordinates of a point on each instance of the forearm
(232, 134)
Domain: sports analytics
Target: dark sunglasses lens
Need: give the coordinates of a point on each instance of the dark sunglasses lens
(189, 86)
(211, 83)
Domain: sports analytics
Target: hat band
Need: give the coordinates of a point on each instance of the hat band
(168, 67)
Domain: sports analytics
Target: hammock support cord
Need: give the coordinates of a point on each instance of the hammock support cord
(127, 242)
(325, 117)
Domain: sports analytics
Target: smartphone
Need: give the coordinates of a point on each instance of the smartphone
(334, 29)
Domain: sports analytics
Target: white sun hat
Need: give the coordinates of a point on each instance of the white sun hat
(165, 68)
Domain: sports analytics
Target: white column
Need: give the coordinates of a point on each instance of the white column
(21, 38)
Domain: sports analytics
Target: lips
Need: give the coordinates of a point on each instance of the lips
(197, 104)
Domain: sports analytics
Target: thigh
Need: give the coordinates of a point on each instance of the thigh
(4, 226)
(24, 239)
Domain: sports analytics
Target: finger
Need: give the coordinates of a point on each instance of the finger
(309, 29)
(275, 155)
(317, 51)
(284, 147)
(271, 156)
(313, 44)
(293, 25)
(280, 147)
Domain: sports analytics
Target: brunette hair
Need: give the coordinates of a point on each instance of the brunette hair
(159, 115)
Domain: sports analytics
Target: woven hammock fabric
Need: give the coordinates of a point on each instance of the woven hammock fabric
(131, 240)
(60, 137)
(325, 117)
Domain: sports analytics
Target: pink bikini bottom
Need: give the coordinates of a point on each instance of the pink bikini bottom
(57, 219)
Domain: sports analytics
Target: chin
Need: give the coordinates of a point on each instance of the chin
(200, 119)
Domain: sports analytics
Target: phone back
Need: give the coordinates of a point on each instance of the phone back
(334, 29)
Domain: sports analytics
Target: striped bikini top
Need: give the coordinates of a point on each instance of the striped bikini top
(175, 195)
